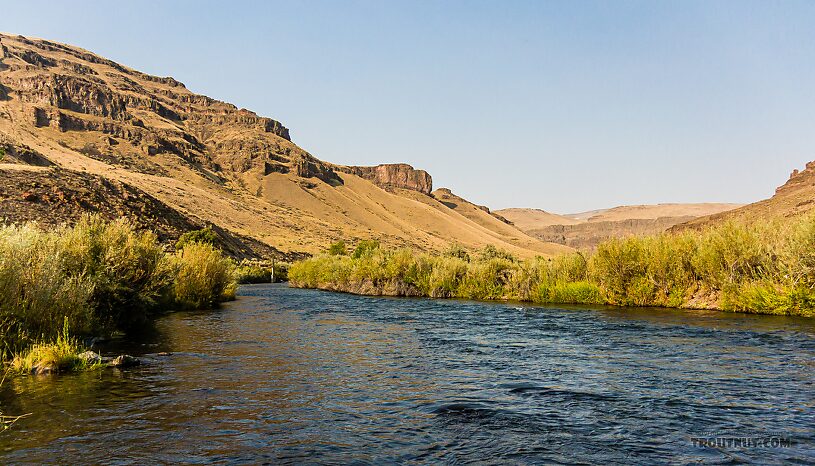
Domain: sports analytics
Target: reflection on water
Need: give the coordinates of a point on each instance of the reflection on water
(287, 375)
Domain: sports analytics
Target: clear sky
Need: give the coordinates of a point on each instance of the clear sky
(565, 106)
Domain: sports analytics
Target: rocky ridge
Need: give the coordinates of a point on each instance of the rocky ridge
(209, 161)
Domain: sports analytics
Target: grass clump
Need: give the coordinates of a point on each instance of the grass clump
(59, 355)
(338, 249)
(762, 267)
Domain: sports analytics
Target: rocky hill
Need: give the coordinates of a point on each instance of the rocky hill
(203, 161)
(793, 198)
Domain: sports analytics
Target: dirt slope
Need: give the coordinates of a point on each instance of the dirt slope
(494, 223)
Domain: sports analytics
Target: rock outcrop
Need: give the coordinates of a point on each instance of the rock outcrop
(395, 175)
(799, 179)
(15, 152)
(451, 200)
(588, 235)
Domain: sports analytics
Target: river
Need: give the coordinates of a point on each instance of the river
(300, 376)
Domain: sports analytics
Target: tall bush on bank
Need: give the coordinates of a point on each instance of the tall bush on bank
(36, 293)
(203, 277)
(97, 277)
(128, 269)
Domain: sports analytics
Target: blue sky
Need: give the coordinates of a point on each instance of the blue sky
(565, 106)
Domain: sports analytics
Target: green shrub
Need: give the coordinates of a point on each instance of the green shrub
(444, 276)
(128, 269)
(486, 279)
(204, 235)
(338, 249)
(457, 251)
(203, 277)
(769, 298)
(798, 253)
(489, 252)
(36, 292)
(365, 248)
(254, 272)
(617, 265)
(731, 253)
(569, 293)
(669, 272)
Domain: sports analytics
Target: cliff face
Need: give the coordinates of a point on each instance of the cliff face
(397, 175)
(588, 235)
(69, 91)
(588, 229)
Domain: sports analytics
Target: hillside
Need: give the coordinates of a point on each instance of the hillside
(793, 198)
(530, 219)
(587, 229)
(207, 162)
(497, 226)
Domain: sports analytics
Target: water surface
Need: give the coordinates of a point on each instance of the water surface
(293, 376)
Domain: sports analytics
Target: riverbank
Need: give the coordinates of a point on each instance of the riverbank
(763, 268)
(93, 279)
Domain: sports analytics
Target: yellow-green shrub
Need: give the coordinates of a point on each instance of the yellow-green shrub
(95, 277)
(203, 276)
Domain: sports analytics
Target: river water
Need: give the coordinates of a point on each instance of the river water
(300, 376)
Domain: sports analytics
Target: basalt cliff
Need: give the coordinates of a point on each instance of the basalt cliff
(91, 135)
